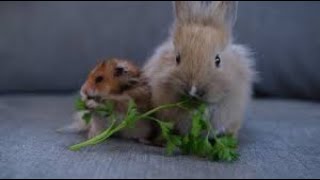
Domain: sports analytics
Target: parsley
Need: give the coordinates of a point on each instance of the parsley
(195, 143)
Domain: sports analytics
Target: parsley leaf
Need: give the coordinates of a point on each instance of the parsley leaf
(223, 148)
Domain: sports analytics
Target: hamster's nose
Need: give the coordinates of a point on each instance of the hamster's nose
(85, 92)
(88, 95)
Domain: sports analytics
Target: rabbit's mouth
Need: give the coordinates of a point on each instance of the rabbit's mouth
(191, 101)
(203, 100)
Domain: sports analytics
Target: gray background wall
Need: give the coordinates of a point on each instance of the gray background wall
(51, 46)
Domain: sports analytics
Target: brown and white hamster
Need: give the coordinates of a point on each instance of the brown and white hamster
(119, 81)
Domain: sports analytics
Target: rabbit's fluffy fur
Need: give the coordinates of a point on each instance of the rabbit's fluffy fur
(186, 63)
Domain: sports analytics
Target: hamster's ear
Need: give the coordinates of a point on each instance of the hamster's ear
(102, 62)
(119, 71)
(214, 13)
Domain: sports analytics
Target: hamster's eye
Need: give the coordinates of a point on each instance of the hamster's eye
(178, 59)
(119, 71)
(99, 79)
(217, 61)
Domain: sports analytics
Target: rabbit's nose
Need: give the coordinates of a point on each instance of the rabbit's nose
(195, 92)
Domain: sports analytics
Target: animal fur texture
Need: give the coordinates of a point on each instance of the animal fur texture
(200, 59)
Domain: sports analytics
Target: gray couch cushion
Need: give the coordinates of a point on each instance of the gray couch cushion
(49, 46)
(279, 140)
(285, 39)
(52, 45)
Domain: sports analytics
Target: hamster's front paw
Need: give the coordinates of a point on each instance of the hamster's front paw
(93, 133)
(91, 104)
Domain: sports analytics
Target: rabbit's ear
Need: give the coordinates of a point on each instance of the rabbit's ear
(224, 12)
(214, 13)
(186, 11)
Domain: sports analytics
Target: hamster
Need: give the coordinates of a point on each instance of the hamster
(119, 81)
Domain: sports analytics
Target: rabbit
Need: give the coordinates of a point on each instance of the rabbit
(118, 81)
(199, 59)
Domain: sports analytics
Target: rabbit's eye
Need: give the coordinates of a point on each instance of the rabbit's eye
(99, 79)
(218, 61)
(178, 59)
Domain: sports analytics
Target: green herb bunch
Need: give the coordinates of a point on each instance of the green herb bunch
(196, 142)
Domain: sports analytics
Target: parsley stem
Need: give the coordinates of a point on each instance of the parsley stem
(99, 138)
(223, 148)
(167, 106)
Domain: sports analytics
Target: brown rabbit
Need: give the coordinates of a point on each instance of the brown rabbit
(199, 59)
(118, 81)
